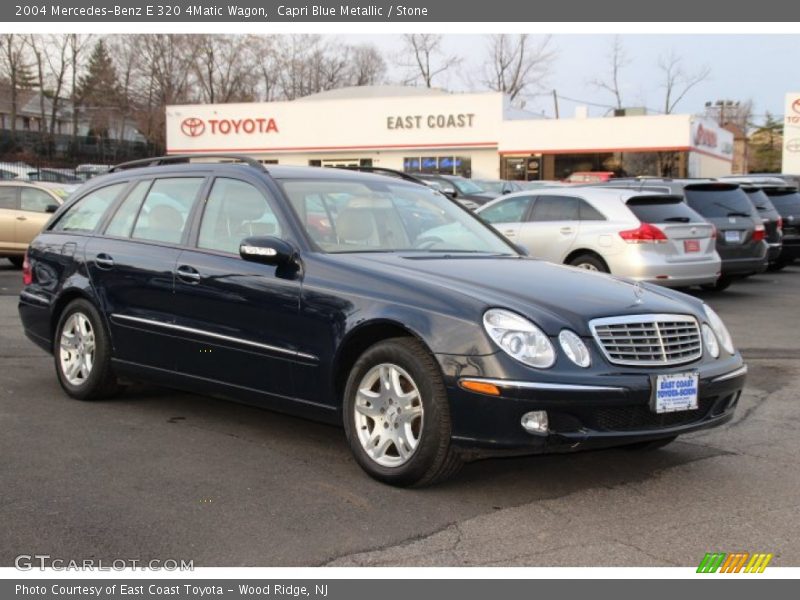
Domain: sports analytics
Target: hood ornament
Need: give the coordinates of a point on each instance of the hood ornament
(638, 291)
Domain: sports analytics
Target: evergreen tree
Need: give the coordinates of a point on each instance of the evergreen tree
(766, 145)
(99, 94)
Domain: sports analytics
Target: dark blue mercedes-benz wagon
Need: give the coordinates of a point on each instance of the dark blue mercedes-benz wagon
(367, 301)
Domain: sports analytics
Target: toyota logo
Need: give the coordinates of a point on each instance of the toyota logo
(793, 145)
(796, 106)
(193, 126)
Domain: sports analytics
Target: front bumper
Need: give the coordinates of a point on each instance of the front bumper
(590, 412)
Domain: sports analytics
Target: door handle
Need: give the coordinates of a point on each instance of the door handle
(188, 274)
(21, 218)
(509, 233)
(566, 230)
(104, 261)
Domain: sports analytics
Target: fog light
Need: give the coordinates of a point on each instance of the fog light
(535, 421)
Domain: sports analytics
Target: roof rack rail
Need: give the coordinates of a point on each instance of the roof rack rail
(158, 161)
(384, 171)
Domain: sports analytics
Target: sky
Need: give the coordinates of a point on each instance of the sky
(761, 68)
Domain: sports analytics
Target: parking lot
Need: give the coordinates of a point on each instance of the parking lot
(162, 474)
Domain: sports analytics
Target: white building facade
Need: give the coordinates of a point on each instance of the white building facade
(475, 135)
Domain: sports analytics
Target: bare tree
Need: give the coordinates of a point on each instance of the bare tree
(77, 44)
(676, 81)
(263, 53)
(56, 54)
(367, 65)
(424, 57)
(15, 70)
(35, 43)
(617, 61)
(517, 63)
(221, 68)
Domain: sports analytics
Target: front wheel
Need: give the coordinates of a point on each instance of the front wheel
(82, 352)
(397, 417)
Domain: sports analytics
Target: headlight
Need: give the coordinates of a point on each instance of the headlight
(519, 338)
(719, 329)
(574, 348)
(710, 341)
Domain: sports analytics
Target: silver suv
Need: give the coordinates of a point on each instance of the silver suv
(643, 236)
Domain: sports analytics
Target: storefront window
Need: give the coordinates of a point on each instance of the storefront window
(439, 165)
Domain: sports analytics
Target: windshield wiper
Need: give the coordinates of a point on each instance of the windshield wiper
(677, 220)
(734, 213)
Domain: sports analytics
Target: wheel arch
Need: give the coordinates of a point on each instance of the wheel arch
(64, 300)
(576, 253)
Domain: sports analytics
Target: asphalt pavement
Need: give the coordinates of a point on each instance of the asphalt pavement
(168, 475)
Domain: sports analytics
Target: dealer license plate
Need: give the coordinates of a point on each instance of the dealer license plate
(733, 237)
(674, 392)
(691, 246)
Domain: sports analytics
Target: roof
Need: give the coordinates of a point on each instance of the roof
(373, 91)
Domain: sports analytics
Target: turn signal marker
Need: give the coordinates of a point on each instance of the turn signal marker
(480, 386)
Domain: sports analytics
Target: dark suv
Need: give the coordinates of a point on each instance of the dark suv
(787, 202)
(369, 302)
(740, 232)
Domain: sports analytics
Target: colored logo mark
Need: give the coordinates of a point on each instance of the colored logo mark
(735, 562)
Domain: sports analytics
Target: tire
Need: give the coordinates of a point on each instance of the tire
(723, 283)
(16, 261)
(590, 262)
(651, 445)
(417, 451)
(91, 380)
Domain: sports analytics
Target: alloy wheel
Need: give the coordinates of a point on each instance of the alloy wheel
(76, 349)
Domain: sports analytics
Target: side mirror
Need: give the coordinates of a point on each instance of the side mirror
(450, 192)
(267, 250)
(51, 208)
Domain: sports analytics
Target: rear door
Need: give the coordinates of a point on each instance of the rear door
(727, 207)
(132, 268)
(552, 227)
(507, 216)
(690, 238)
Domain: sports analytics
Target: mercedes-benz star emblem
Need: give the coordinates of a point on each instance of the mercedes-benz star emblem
(638, 291)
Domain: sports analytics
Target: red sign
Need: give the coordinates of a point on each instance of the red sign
(796, 106)
(705, 137)
(194, 127)
(691, 246)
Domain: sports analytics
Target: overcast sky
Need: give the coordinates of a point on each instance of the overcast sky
(761, 68)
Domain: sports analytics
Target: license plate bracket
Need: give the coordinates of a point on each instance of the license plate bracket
(733, 237)
(673, 392)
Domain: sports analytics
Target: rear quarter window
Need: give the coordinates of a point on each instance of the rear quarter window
(669, 209)
(786, 202)
(86, 213)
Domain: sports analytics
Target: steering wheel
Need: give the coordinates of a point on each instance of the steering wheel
(427, 241)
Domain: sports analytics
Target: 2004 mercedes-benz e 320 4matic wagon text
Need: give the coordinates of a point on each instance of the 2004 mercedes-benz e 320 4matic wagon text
(323, 292)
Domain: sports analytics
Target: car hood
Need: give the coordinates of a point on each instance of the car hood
(553, 295)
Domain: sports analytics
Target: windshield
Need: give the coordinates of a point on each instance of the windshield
(465, 186)
(369, 216)
(714, 202)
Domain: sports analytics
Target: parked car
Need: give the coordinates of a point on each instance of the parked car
(755, 188)
(580, 177)
(459, 188)
(792, 180)
(55, 176)
(639, 235)
(498, 187)
(786, 200)
(24, 210)
(740, 233)
(16, 171)
(535, 184)
(425, 350)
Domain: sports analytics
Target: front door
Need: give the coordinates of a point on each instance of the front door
(239, 319)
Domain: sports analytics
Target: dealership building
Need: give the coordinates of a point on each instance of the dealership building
(477, 135)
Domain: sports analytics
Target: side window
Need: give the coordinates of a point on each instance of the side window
(555, 208)
(235, 210)
(86, 213)
(588, 212)
(508, 211)
(34, 200)
(122, 221)
(8, 197)
(166, 209)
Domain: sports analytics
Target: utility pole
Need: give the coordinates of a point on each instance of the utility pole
(555, 102)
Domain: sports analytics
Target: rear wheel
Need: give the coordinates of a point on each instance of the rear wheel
(722, 283)
(397, 416)
(16, 261)
(652, 444)
(82, 353)
(589, 262)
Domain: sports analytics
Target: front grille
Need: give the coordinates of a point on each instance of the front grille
(634, 418)
(648, 340)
